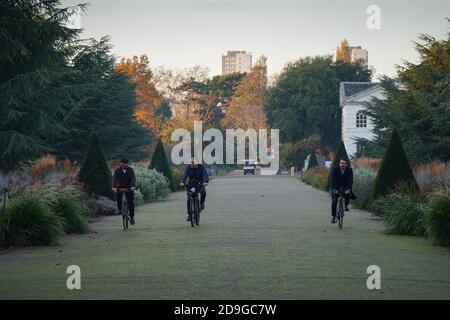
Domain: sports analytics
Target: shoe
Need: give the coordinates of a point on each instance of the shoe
(333, 220)
(347, 209)
(202, 206)
(132, 221)
(188, 218)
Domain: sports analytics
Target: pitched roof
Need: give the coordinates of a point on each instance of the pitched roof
(349, 89)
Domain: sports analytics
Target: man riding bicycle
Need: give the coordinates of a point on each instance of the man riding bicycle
(124, 178)
(198, 177)
(341, 179)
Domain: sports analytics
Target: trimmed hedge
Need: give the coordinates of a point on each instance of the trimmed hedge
(160, 163)
(394, 169)
(94, 171)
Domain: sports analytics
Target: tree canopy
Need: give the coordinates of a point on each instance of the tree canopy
(304, 101)
(417, 104)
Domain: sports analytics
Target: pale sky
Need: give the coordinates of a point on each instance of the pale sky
(184, 33)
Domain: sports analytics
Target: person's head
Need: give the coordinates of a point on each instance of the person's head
(124, 162)
(343, 163)
(194, 163)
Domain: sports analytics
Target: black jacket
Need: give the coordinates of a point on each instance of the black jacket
(125, 179)
(195, 175)
(339, 180)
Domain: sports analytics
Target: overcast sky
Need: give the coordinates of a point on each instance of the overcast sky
(183, 33)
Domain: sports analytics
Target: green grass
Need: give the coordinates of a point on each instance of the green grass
(260, 238)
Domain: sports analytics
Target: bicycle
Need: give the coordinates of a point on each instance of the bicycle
(193, 205)
(125, 212)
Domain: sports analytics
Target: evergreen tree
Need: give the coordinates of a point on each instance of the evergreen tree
(160, 163)
(312, 161)
(94, 171)
(394, 169)
(341, 152)
(416, 104)
(36, 92)
(107, 108)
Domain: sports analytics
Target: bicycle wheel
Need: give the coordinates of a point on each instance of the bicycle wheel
(197, 212)
(125, 216)
(341, 213)
(191, 211)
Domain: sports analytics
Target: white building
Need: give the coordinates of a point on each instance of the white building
(352, 99)
(236, 61)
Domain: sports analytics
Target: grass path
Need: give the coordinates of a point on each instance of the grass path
(260, 238)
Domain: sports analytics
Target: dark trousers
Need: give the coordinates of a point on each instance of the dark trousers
(334, 202)
(130, 200)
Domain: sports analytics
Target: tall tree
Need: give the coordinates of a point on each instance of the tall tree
(107, 107)
(417, 104)
(148, 98)
(304, 101)
(36, 87)
(343, 52)
(246, 107)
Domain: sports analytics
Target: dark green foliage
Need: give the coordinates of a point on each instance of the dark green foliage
(36, 87)
(160, 163)
(438, 220)
(294, 154)
(28, 221)
(417, 104)
(208, 95)
(94, 171)
(394, 169)
(305, 99)
(107, 108)
(312, 161)
(164, 112)
(71, 215)
(340, 153)
(402, 214)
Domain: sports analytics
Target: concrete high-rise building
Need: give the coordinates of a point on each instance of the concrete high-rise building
(358, 54)
(236, 61)
(352, 54)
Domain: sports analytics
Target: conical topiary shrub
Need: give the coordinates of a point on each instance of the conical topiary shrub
(312, 161)
(394, 169)
(341, 152)
(94, 171)
(160, 163)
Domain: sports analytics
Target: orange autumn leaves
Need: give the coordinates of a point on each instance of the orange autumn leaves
(148, 99)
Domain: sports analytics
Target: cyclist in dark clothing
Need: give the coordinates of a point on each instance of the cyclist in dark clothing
(124, 178)
(341, 179)
(196, 175)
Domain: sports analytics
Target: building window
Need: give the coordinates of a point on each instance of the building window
(361, 120)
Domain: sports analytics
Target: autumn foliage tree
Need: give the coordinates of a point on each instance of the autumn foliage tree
(343, 52)
(246, 106)
(148, 98)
